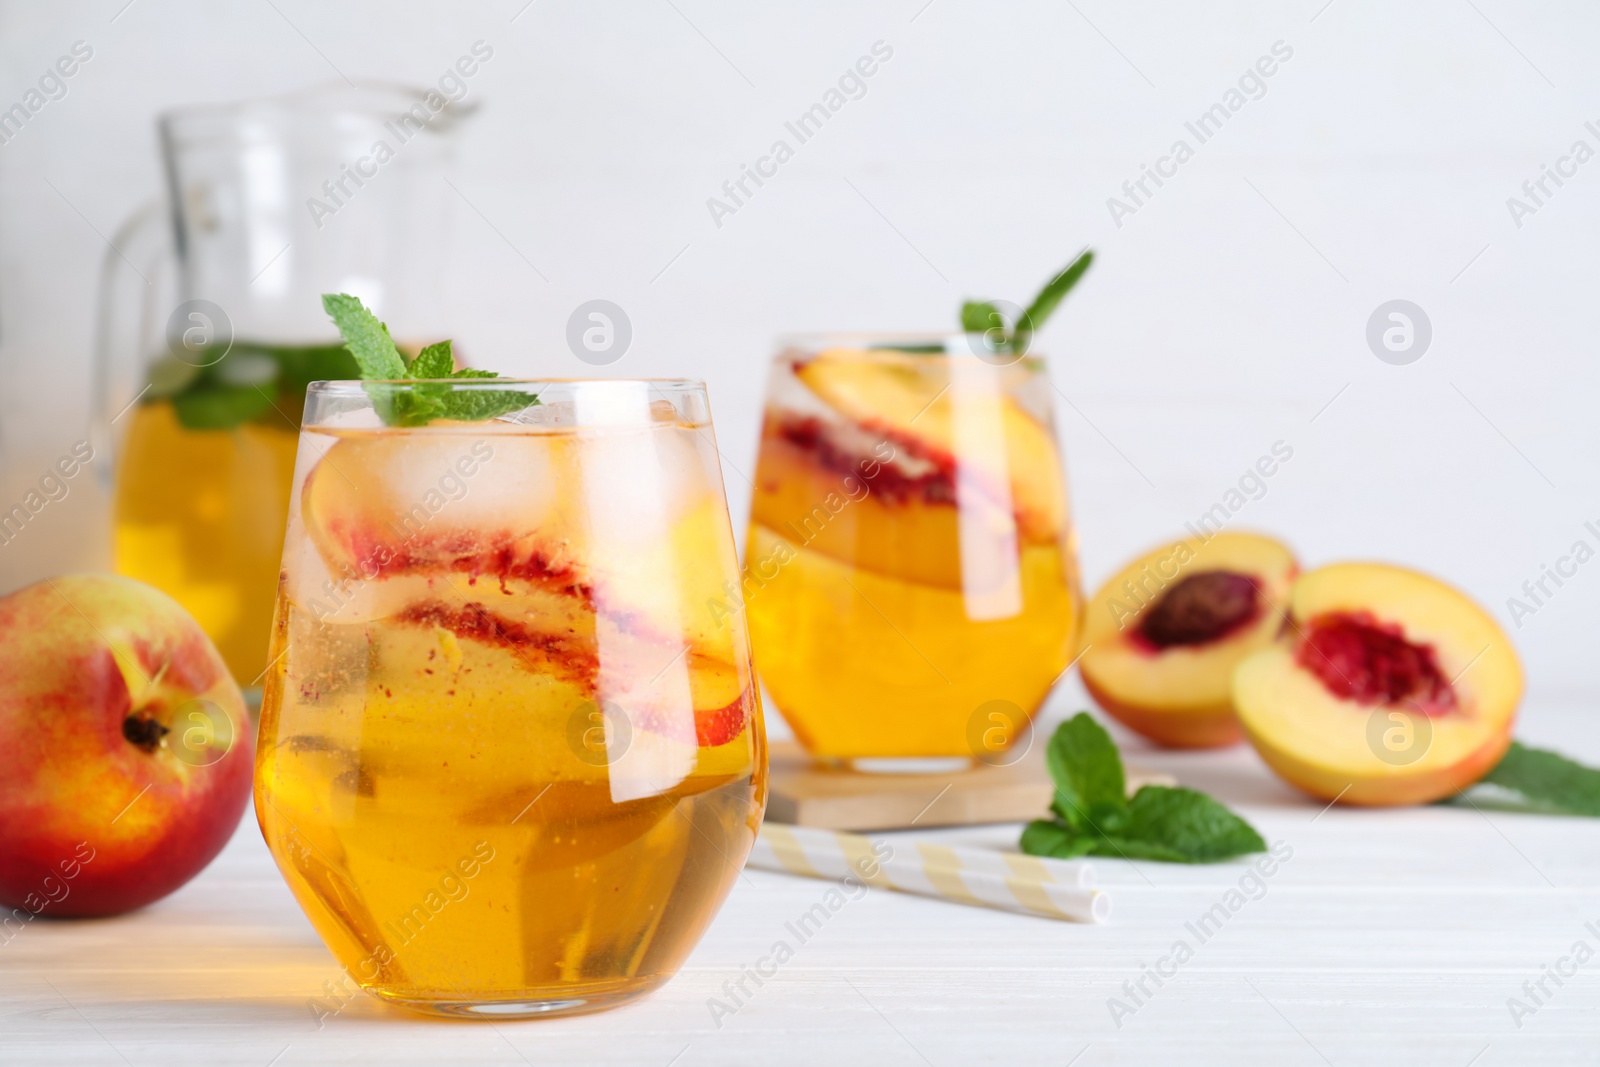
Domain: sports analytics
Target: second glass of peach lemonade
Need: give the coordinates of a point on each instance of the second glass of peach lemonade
(910, 568)
(510, 761)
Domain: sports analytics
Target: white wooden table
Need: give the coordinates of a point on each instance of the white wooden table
(1389, 938)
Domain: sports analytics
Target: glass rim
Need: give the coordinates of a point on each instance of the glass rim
(930, 345)
(869, 338)
(326, 104)
(356, 385)
(551, 403)
(801, 336)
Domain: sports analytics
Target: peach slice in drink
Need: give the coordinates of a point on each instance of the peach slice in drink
(876, 506)
(589, 557)
(925, 407)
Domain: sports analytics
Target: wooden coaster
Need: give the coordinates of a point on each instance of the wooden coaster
(804, 793)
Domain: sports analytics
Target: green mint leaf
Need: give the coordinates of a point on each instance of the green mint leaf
(419, 403)
(1056, 290)
(980, 317)
(300, 365)
(170, 376)
(415, 395)
(1548, 780)
(1087, 770)
(1052, 839)
(241, 383)
(921, 350)
(435, 361)
(1048, 837)
(1132, 848)
(404, 404)
(246, 367)
(1189, 823)
(1094, 816)
(475, 405)
(214, 406)
(366, 337)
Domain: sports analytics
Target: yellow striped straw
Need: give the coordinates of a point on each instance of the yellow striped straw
(1055, 889)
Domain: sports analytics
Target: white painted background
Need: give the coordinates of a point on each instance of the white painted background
(1221, 317)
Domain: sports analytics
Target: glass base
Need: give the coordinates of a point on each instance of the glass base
(533, 1006)
(908, 764)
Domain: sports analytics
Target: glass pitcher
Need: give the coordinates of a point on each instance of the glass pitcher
(211, 325)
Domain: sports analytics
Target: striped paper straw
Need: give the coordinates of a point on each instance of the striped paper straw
(1008, 881)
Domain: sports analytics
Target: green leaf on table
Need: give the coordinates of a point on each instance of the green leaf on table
(1093, 816)
(1133, 848)
(1087, 770)
(367, 338)
(1049, 838)
(1548, 780)
(1190, 823)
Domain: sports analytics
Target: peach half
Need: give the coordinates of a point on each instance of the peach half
(1162, 638)
(1389, 687)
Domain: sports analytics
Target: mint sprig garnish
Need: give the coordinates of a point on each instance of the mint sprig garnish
(1050, 297)
(982, 316)
(1093, 815)
(1547, 781)
(414, 393)
(366, 338)
(435, 361)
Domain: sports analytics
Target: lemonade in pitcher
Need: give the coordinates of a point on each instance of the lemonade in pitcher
(510, 763)
(202, 486)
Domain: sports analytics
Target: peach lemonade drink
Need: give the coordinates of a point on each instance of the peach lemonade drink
(910, 568)
(509, 764)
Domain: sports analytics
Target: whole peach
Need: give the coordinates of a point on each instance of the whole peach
(126, 745)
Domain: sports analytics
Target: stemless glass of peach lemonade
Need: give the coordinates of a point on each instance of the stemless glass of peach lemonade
(510, 764)
(910, 567)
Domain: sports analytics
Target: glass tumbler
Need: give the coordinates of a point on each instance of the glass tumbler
(510, 762)
(910, 567)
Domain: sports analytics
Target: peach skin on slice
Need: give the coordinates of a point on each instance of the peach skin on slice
(951, 410)
(1162, 637)
(1390, 687)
